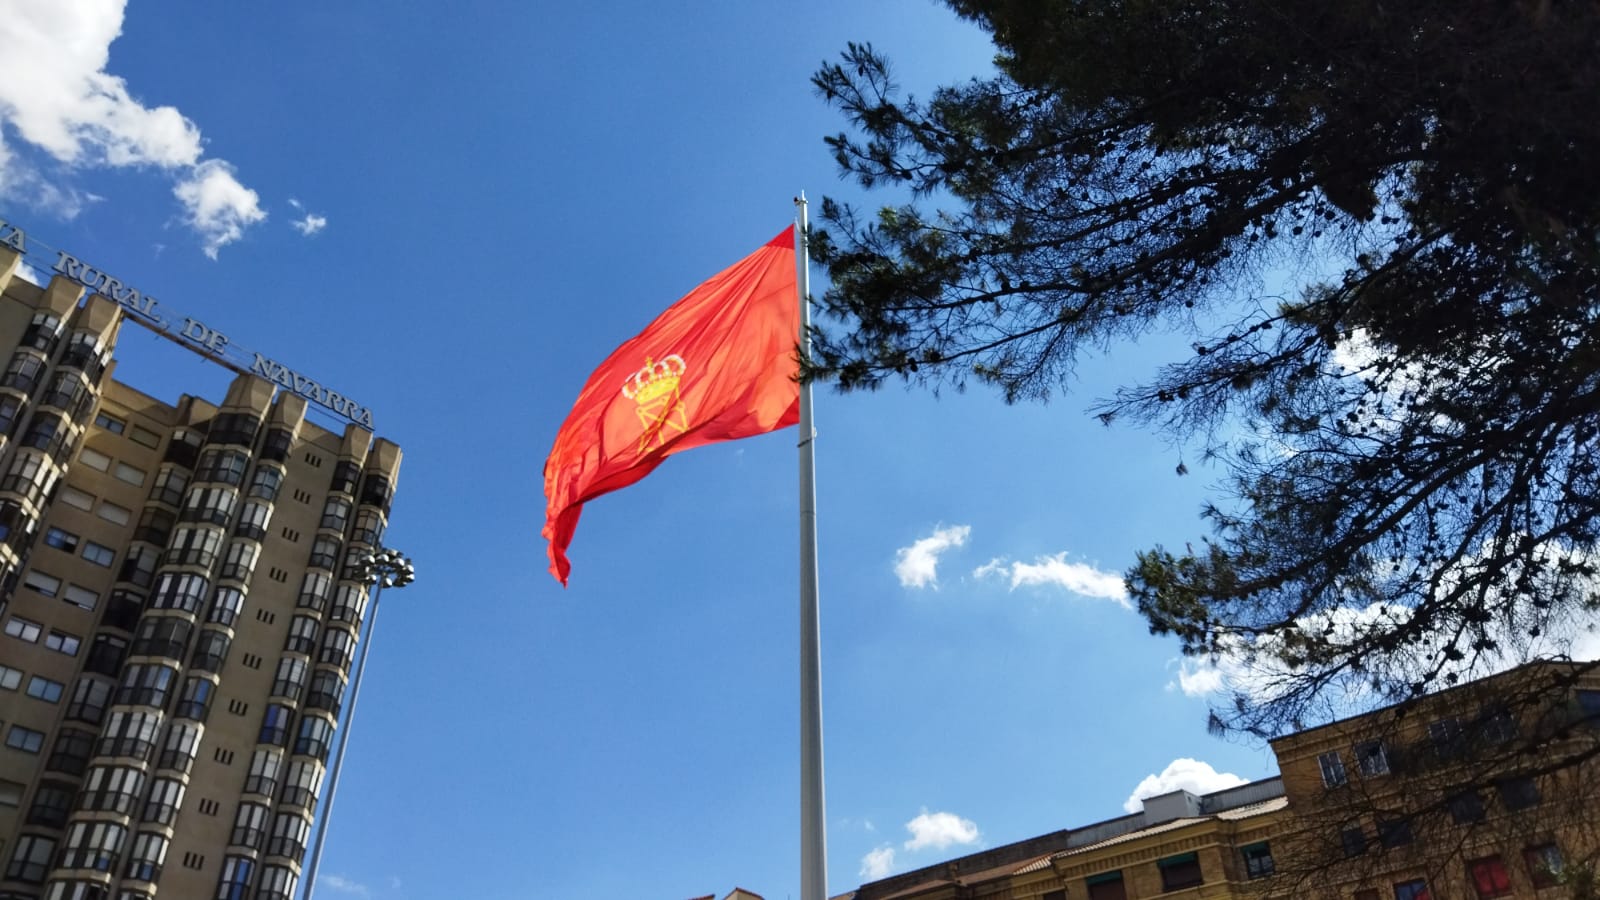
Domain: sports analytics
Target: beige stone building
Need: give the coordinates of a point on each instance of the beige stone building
(1486, 790)
(181, 593)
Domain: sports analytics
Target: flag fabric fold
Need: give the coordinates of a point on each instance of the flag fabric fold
(718, 365)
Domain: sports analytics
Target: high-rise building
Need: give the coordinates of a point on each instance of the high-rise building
(181, 593)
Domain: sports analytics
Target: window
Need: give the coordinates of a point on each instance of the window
(337, 647)
(179, 590)
(249, 826)
(117, 515)
(131, 474)
(106, 655)
(11, 793)
(9, 406)
(265, 482)
(25, 739)
(1411, 890)
(1257, 860)
(289, 678)
(1466, 808)
(48, 585)
(76, 499)
(195, 701)
(193, 547)
(146, 684)
(253, 520)
(300, 787)
(62, 642)
(210, 651)
(112, 789)
(225, 606)
(327, 689)
(41, 688)
(145, 437)
(324, 553)
(350, 601)
(10, 679)
(277, 883)
(288, 836)
(1181, 871)
(1588, 703)
(263, 777)
(315, 733)
(81, 597)
(30, 477)
(42, 332)
(335, 513)
(1489, 877)
(51, 804)
(235, 881)
(369, 527)
(1394, 832)
(345, 473)
(110, 423)
(302, 635)
(314, 589)
(225, 466)
(193, 860)
(139, 566)
(276, 446)
(130, 734)
(94, 459)
(213, 505)
(1497, 725)
(23, 372)
(162, 636)
(1106, 886)
(169, 484)
(30, 859)
(70, 754)
(239, 560)
(61, 539)
(24, 630)
(1544, 864)
(1518, 793)
(1372, 758)
(89, 699)
(145, 859)
(1353, 840)
(275, 725)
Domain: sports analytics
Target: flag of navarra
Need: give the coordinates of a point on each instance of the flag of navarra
(720, 364)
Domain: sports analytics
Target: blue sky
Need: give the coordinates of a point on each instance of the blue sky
(453, 212)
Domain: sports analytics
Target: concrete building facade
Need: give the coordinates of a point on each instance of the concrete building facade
(181, 594)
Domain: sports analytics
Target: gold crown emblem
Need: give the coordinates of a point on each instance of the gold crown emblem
(655, 379)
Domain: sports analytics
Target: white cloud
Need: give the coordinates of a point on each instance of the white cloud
(878, 863)
(917, 565)
(217, 205)
(1186, 774)
(343, 885)
(310, 223)
(940, 830)
(27, 273)
(1079, 578)
(68, 108)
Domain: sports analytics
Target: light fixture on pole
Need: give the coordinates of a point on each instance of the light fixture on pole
(382, 568)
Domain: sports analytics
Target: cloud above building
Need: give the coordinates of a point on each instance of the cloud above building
(71, 114)
(1078, 578)
(929, 831)
(1183, 774)
(917, 566)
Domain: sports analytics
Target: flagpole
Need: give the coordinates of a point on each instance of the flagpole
(813, 824)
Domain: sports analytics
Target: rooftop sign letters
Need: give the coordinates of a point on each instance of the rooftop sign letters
(192, 333)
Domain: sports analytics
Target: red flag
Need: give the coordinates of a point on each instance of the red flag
(719, 364)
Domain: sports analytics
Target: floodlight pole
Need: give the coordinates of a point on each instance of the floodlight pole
(381, 569)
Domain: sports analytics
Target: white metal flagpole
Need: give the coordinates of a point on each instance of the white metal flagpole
(813, 825)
